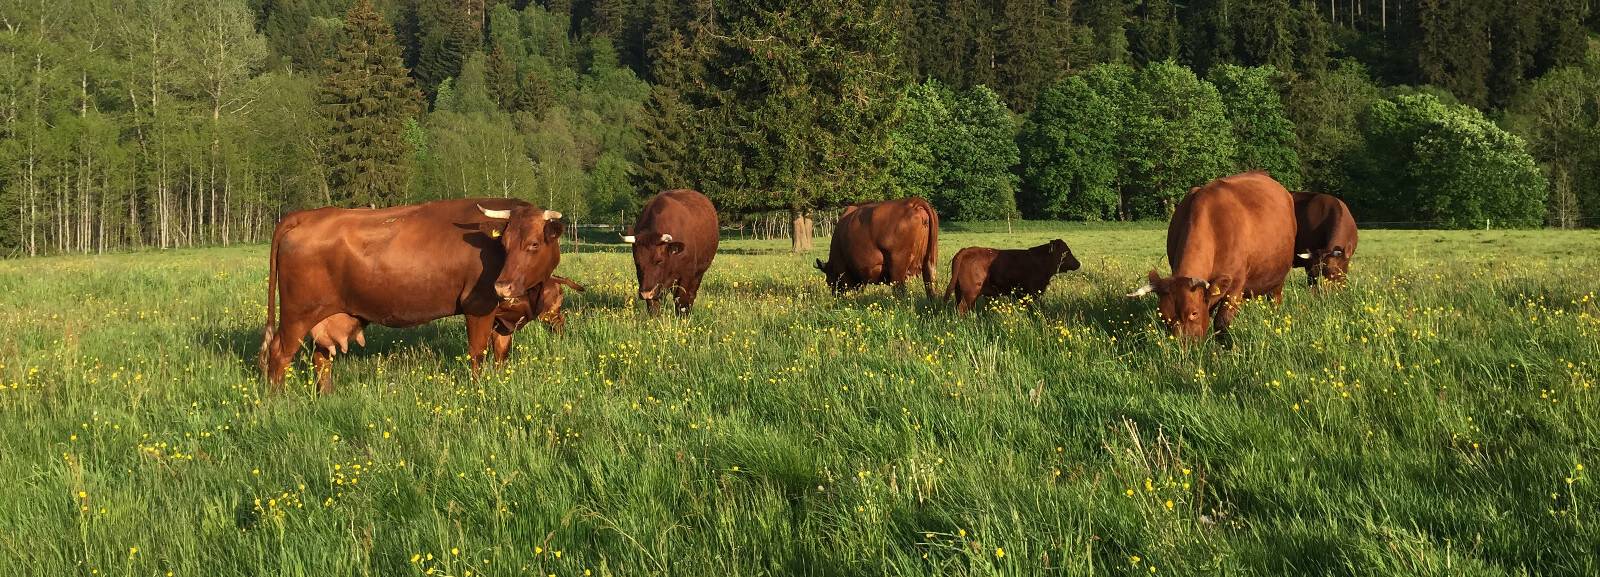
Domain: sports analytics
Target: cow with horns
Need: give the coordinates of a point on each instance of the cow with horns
(1229, 240)
(400, 267)
(673, 241)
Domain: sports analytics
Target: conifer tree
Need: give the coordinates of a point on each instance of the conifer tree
(367, 99)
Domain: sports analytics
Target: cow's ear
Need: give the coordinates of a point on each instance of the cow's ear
(674, 247)
(553, 230)
(493, 228)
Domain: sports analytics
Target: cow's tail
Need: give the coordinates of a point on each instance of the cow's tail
(568, 282)
(930, 261)
(950, 289)
(272, 292)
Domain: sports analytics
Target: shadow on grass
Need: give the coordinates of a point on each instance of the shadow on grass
(243, 345)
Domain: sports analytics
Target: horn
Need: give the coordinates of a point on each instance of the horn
(1305, 255)
(666, 238)
(548, 215)
(628, 238)
(1144, 290)
(500, 214)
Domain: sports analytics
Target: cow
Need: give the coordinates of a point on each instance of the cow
(977, 271)
(1229, 240)
(1325, 237)
(542, 303)
(673, 242)
(400, 267)
(883, 243)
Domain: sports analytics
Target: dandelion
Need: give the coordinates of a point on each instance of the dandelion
(1134, 560)
(999, 553)
(455, 551)
(1169, 504)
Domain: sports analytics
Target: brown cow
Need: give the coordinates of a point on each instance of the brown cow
(1325, 237)
(401, 267)
(976, 271)
(1229, 240)
(673, 244)
(882, 243)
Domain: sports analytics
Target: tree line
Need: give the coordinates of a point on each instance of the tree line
(167, 123)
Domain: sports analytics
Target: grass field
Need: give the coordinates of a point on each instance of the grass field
(1434, 418)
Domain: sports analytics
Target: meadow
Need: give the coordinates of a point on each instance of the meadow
(1435, 417)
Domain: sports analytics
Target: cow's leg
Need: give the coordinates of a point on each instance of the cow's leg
(284, 345)
(502, 347)
(322, 362)
(966, 296)
(899, 269)
(1228, 309)
(479, 328)
(685, 298)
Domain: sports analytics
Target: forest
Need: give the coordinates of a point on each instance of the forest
(173, 123)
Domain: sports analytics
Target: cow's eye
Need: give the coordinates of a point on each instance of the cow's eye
(533, 246)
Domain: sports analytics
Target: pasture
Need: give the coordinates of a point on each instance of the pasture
(1434, 418)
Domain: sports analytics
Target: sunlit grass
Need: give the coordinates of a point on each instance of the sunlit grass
(1433, 418)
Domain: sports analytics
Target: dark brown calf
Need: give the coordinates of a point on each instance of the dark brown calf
(978, 271)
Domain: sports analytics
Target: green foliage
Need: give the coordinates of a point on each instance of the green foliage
(1559, 116)
(1178, 137)
(1263, 134)
(447, 38)
(957, 150)
(1071, 146)
(1325, 108)
(1448, 165)
(810, 106)
(367, 98)
(1119, 142)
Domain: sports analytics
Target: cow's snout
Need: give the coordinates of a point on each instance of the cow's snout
(503, 289)
(647, 295)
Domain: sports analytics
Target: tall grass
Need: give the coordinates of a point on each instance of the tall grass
(1431, 419)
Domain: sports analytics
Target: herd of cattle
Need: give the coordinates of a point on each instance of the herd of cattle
(332, 271)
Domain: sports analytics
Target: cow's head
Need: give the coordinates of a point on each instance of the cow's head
(655, 256)
(531, 237)
(837, 281)
(1335, 264)
(1185, 303)
(1060, 254)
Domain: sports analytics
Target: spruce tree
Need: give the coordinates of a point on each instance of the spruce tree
(367, 99)
(448, 36)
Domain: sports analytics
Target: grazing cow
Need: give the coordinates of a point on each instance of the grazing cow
(400, 267)
(1229, 240)
(673, 244)
(1325, 237)
(883, 243)
(977, 271)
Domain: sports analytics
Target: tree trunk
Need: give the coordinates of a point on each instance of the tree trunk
(801, 231)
